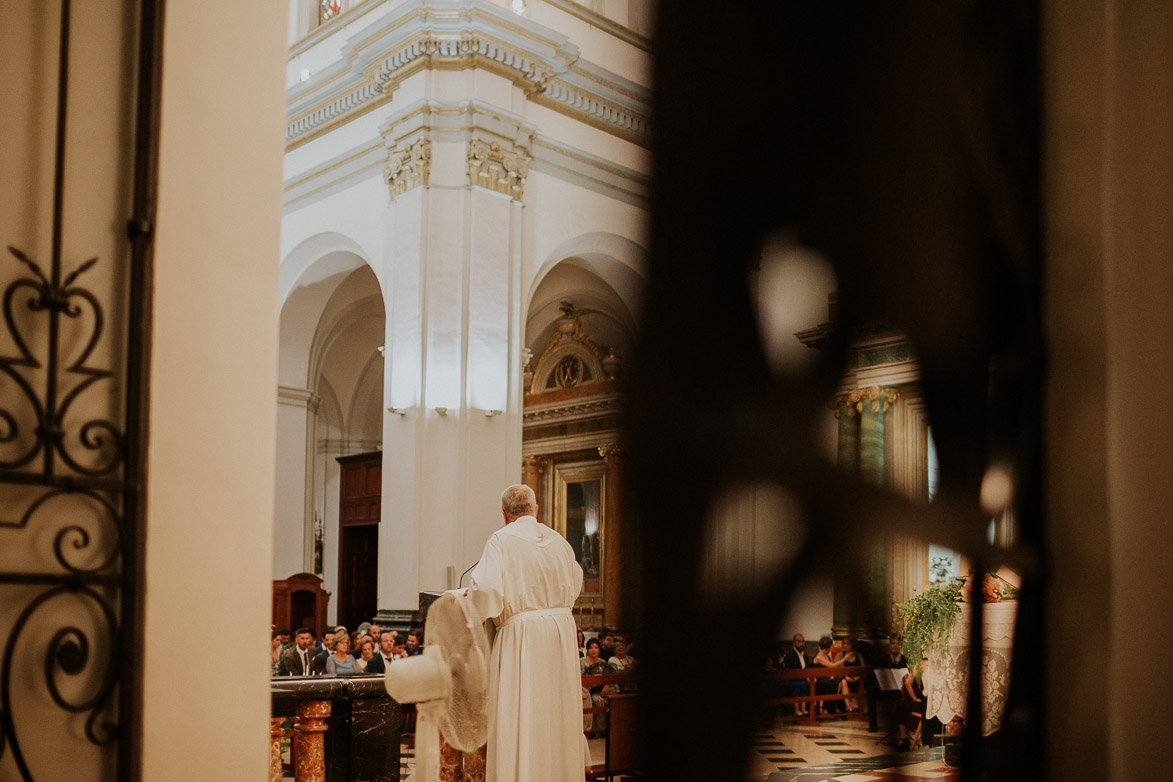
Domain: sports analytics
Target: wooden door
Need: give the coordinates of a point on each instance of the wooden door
(359, 582)
(358, 544)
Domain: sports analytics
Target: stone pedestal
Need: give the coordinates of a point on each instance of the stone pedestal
(311, 740)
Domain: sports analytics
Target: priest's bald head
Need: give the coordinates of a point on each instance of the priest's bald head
(518, 501)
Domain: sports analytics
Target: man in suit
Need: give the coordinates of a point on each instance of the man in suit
(795, 657)
(299, 660)
(384, 656)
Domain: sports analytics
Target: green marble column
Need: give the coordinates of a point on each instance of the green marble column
(861, 592)
(871, 437)
(848, 434)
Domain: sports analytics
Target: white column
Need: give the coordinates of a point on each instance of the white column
(293, 549)
(453, 344)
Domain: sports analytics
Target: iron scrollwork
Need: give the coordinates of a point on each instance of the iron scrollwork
(74, 478)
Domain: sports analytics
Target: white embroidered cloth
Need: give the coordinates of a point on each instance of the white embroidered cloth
(945, 678)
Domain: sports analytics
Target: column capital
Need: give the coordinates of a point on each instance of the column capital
(612, 451)
(875, 398)
(497, 168)
(535, 461)
(407, 166)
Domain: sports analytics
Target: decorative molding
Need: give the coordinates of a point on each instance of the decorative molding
(570, 357)
(595, 19)
(455, 36)
(614, 451)
(298, 397)
(591, 172)
(408, 166)
(574, 411)
(323, 31)
(496, 168)
(334, 175)
(560, 445)
(877, 398)
(535, 464)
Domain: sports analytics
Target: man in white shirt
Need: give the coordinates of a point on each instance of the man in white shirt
(300, 658)
(526, 582)
(384, 656)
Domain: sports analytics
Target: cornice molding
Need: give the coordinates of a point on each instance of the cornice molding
(456, 35)
(574, 410)
(594, 19)
(437, 121)
(562, 444)
(298, 397)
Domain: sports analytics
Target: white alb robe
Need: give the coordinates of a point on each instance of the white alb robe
(527, 581)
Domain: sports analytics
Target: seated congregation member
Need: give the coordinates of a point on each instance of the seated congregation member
(620, 662)
(829, 685)
(341, 663)
(892, 658)
(581, 638)
(414, 643)
(594, 665)
(793, 659)
(606, 644)
(895, 656)
(275, 653)
(366, 653)
(300, 660)
(911, 709)
(384, 656)
(851, 657)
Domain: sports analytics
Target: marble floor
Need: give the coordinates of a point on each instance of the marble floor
(835, 751)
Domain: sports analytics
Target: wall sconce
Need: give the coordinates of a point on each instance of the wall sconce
(492, 413)
(399, 411)
(442, 410)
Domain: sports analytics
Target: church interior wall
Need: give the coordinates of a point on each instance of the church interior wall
(210, 497)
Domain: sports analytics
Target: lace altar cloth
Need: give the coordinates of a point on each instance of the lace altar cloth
(945, 678)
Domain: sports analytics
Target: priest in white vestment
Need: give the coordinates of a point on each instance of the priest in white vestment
(526, 582)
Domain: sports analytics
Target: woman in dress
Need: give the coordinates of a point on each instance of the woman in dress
(620, 662)
(581, 653)
(594, 665)
(275, 651)
(366, 653)
(830, 685)
(851, 657)
(341, 663)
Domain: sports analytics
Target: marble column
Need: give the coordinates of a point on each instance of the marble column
(848, 450)
(614, 544)
(311, 740)
(872, 405)
(861, 592)
(276, 733)
(532, 468)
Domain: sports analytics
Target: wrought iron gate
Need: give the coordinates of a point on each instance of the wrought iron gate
(73, 404)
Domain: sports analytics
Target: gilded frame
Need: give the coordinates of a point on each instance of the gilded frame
(573, 503)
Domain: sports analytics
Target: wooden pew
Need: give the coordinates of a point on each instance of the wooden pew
(620, 750)
(811, 675)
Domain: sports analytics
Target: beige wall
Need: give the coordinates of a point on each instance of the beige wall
(213, 395)
(1108, 191)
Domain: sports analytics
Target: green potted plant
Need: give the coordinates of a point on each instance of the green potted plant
(926, 620)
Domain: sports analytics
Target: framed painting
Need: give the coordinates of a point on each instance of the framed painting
(579, 503)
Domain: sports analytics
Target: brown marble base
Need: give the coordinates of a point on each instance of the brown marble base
(311, 740)
(457, 766)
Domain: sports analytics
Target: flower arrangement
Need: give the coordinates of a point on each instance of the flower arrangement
(926, 620)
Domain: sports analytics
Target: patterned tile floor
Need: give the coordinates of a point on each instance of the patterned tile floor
(841, 751)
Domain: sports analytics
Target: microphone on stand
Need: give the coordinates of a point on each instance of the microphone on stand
(460, 583)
